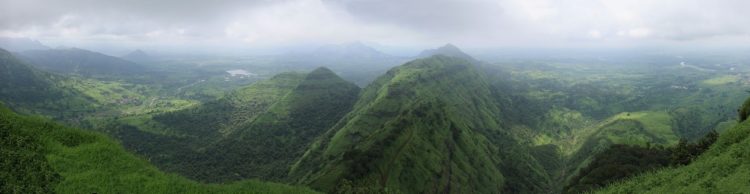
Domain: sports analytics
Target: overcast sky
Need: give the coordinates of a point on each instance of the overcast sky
(470, 23)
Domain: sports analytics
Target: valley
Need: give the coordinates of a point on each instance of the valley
(374, 97)
(443, 122)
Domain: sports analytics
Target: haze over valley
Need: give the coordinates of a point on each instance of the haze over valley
(366, 96)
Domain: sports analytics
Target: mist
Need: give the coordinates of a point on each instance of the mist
(397, 27)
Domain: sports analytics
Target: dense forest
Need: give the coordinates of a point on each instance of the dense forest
(40, 156)
(443, 122)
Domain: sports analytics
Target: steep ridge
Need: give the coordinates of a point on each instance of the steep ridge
(219, 118)
(267, 146)
(39, 156)
(32, 91)
(429, 125)
(262, 128)
(638, 129)
(355, 62)
(724, 168)
(71, 99)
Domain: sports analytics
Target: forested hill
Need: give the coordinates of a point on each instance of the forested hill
(39, 156)
(427, 126)
(29, 90)
(255, 132)
(24, 88)
(724, 168)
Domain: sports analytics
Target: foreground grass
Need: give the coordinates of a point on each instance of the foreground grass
(39, 156)
(725, 168)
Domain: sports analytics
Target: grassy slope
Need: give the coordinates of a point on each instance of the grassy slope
(31, 91)
(74, 100)
(426, 126)
(87, 162)
(636, 128)
(724, 168)
(221, 116)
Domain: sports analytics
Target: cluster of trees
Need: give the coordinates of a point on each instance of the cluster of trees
(622, 161)
(744, 111)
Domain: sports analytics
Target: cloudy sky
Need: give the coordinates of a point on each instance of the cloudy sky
(471, 23)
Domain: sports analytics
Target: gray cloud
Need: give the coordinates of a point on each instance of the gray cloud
(408, 22)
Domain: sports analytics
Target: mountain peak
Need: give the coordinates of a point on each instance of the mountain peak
(323, 73)
(137, 55)
(21, 44)
(447, 50)
(321, 70)
(450, 46)
(349, 50)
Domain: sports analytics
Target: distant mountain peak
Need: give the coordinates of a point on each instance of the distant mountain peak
(449, 46)
(322, 73)
(21, 44)
(138, 55)
(322, 70)
(80, 61)
(349, 50)
(447, 50)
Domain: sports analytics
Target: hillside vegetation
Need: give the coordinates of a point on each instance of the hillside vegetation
(429, 125)
(39, 156)
(724, 168)
(254, 132)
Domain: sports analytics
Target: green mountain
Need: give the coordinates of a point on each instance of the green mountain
(721, 169)
(355, 61)
(39, 156)
(219, 118)
(256, 132)
(82, 62)
(447, 50)
(637, 128)
(427, 126)
(138, 56)
(30, 91)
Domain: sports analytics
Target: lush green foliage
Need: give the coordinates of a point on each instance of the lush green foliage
(622, 161)
(23, 168)
(222, 116)
(427, 126)
(440, 124)
(39, 156)
(25, 88)
(744, 110)
(615, 163)
(255, 132)
(723, 168)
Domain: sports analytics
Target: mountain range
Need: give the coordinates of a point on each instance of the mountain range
(441, 123)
